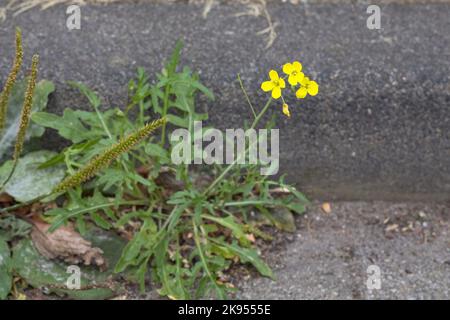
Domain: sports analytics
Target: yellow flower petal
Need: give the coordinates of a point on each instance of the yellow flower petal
(286, 110)
(273, 75)
(300, 77)
(297, 66)
(292, 79)
(304, 82)
(276, 92)
(281, 83)
(288, 68)
(313, 88)
(295, 78)
(301, 93)
(267, 86)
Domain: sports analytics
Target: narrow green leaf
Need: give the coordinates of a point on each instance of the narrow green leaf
(250, 256)
(93, 98)
(230, 223)
(175, 58)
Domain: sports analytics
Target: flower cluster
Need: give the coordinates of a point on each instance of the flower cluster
(300, 84)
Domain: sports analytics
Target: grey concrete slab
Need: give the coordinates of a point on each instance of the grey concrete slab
(379, 129)
(329, 255)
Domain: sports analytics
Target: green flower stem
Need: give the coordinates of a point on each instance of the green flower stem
(102, 122)
(231, 166)
(141, 112)
(164, 113)
(203, 260)
(246, 95)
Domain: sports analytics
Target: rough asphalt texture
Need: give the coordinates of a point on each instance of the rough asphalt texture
(379, 129)
(328, 256)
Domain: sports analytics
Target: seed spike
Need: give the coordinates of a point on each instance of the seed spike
(24, 117)
(104, 159)
(27, 108)
(11, 80)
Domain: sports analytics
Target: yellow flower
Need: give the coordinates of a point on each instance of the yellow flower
(275, 84)
(307, 87)
(294, 71)
(286, 110)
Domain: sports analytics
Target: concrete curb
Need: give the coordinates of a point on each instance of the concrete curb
(379, 129)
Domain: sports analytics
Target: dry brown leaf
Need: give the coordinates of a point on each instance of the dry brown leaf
(326, 207)
(6, 198)
(281, 190)
(409, 227)
(168, 180)
(251, 237)
(391, 227)
(66, 244)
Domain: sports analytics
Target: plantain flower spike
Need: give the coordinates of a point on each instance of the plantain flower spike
(11, 80)
(24, 117)
(26, 109)
(103, 160)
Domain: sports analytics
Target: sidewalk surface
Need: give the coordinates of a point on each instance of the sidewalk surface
(328, 256)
